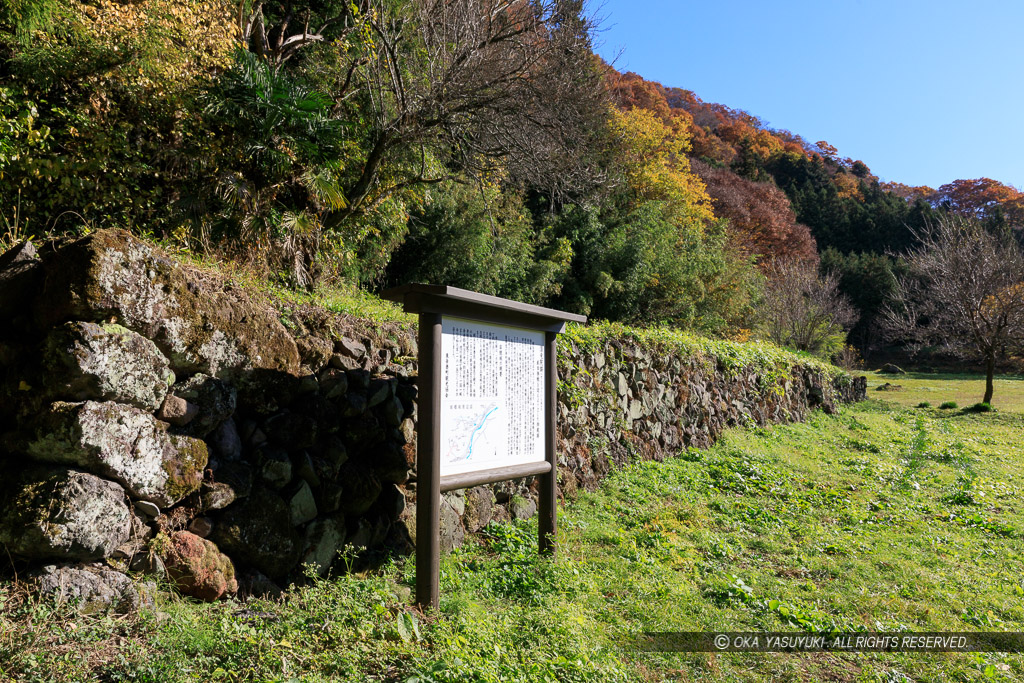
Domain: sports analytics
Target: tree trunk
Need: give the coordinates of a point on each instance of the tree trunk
(990, 371)
(357, 194)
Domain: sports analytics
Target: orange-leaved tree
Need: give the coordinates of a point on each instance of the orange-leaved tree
(979, 197)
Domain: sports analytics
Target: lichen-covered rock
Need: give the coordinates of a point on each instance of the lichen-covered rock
(86, 361)
(122, 443)
(479, 504)
(215, 399)
(452, 532)
(140, 533)
(63, 514)
(522, 508)
(258, 532)
(216, 496)
(93, 587)
(201, 322)
(198, 568)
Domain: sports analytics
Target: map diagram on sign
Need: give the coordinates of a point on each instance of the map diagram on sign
(492, 396)
(474, 428)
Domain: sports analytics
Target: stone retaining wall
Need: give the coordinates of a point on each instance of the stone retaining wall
(159, 419)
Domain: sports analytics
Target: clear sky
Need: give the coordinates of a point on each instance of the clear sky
(922, 91)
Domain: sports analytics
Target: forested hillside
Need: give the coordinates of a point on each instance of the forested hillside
(477, 143)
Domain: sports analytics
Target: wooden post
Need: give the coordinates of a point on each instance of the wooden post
(428, 475)
(548, 493)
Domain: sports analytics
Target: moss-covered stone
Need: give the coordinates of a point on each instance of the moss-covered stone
(122, 443)
(185, 470)
(200, 322)
(197, 568)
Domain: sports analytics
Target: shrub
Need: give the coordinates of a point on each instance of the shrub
(979, 408)
(848, 358)
(948, 405)
(924, 404)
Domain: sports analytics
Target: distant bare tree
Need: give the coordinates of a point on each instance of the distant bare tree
(803, 309)
(964, 293)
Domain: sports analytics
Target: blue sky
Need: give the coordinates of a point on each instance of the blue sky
(923, 92)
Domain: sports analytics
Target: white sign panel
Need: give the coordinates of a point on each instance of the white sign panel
(492, 396)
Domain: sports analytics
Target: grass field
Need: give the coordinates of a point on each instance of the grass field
(882, 517)
(965, 390)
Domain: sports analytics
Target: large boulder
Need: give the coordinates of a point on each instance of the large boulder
(63, 514)
(198, 568)
(106, 362)
(122, 443)
(201, 322)
(258, 532)
(93, 587)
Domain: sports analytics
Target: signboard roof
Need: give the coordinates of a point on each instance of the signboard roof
(419, 298)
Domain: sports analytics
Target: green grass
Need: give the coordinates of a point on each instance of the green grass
(773, 361)
(962, 389)
(878, 518)
(339, 296)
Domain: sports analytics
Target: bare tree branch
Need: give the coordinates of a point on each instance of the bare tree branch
(964, 294)
(493, 83)
(802, 309)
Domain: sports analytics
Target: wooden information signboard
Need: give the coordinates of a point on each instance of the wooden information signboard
(487, 383)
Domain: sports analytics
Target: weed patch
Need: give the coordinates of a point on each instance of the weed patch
(877, 518)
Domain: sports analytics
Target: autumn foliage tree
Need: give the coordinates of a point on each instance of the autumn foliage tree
(652, 157)
(760, 218)
(980, 198)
